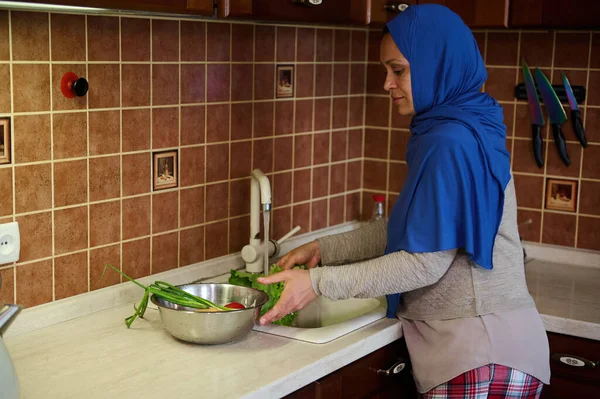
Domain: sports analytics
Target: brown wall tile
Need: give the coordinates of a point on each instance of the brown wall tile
(339, 142)
(523, 157)
(33, 190)
(105, 178)
(33, 83)
(191, 246)
(99, 258)
(321, 149)
(241, 121)
(336, 210)
(338, 179)
(103, 38)
(136, 258)
(286, 44)
(217, 123)
(69, 135)
(319, 214)
(264, 81)
(4, 35)
(284, 117)
(263, 155)
(375, 175)
(398, 172)
(559, 229)
(31, 138)
(68, 37)
(136, 129)
(239, 232)
(136, 217)
(302, 184)
(59, 101)
(352, 206)
(302, 150)
(264, 43)
(7, 294)
(104, 83)
(165, 209)
(591, 162)
(304, 80)
(354, 175)
(536, 47)
(36, 236)
(192, 83)
(192, 125)
(5, 91)
(217, 162)
(6, 188)
(216, 240)
(501, 83)
(165, 127)
(218, 82)
(283, 153)
(242, 42)
(306, 44)
(70, 183)
(589, 200)
(242, 76)
(588, 236)
(355, 143)
(357, 106)
(323, 80)
(376, 143)
(324, 45)
(342, 45)
(359, 46)
(34, 283)
(301, 216)
(241, 159)
(165, 81)
(136, 173)
(502, 48)
(320, 182)
(135, 39)
(571, 50)
(193, 41)
(555, 166)
(341, 74)
(377, 111)
(239, 200)
(192, 166)
(136, 85)
(531, 231)
(70, 230)
(218, 41)
(192, 206)
(70, 275)
(263, 119)
(530, 191)
(282, 189)
(304, 116)
(592, 125)
(105, 132)
(30, 41)
(357, 79)
(105, 223)
(165, 40)
(216, 196)
(164, 252)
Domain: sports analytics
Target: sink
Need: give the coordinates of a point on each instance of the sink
(325, 320)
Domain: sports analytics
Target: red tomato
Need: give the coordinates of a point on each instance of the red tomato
(235, 305)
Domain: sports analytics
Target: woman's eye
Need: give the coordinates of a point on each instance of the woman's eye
(398, 71)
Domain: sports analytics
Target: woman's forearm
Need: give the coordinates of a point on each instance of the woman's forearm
(366, 242)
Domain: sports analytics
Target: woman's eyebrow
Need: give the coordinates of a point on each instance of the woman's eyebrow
(393, 61)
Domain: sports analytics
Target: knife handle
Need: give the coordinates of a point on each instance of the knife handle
(536, 133)
(559, 140)
(578, 127)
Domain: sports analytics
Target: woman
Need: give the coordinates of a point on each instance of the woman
(451, 246)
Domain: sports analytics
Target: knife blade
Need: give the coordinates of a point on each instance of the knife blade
(535, 112)
(575, 113)
(556, 112)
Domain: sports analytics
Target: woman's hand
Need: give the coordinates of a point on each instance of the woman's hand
(298, 293)
(307, 254)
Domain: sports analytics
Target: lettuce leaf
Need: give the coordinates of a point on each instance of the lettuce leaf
(240, 277)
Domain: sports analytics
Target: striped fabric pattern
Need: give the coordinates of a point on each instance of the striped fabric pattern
(492, 381)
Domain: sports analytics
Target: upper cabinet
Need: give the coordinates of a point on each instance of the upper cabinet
(197, 7)
(304, 11)
(572, 14)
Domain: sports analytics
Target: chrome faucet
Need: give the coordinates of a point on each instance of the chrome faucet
(260, 194)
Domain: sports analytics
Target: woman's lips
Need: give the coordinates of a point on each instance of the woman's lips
(397, 100)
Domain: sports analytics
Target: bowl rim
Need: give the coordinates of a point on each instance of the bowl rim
(267, 298)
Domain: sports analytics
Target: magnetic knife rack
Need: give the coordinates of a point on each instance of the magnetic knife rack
(578, 91)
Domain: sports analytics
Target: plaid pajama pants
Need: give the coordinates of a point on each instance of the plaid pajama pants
(492, 381)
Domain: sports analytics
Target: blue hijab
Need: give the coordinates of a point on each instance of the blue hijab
(458, 165)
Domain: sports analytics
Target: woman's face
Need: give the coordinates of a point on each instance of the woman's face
(397, 76)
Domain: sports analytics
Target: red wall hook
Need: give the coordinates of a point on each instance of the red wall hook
(73, 86)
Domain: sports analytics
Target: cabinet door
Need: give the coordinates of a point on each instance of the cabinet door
(328, 12)
(384, 10)
(361, 380)
(572, 381)
(478, 13)
(555, 13)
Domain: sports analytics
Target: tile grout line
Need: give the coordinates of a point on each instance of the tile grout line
(12, 149)
(178, 264)
(122, 218)
(52, 162)
(87, 114)
(152, 192)
(229, 140)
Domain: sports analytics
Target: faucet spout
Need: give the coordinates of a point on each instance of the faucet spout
(260, 193)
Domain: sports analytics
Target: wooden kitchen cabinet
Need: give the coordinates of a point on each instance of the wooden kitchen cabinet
(197, 7)
(360, 380)
(355, 12)
(572, 14)
(570, 381)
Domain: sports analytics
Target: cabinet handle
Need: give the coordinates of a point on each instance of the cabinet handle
(398, 7)
(308, 2)
(575, 361)
(394, 369)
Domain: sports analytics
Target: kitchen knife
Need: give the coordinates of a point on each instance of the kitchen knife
(575, 113)
(556, 112)
(535, 111)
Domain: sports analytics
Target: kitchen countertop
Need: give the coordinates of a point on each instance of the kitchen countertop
(93, 354)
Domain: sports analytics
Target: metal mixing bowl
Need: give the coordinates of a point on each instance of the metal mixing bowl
(212, 327)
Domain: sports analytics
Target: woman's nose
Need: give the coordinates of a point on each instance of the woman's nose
(389, 83)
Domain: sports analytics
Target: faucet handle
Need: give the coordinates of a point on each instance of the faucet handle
(288, 235)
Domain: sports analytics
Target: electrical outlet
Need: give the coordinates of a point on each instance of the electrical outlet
(10, 243)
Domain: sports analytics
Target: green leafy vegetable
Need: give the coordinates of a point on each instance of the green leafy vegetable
(239, 277)
(166, 291)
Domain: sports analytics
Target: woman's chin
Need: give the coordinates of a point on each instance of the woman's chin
(406, 111)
